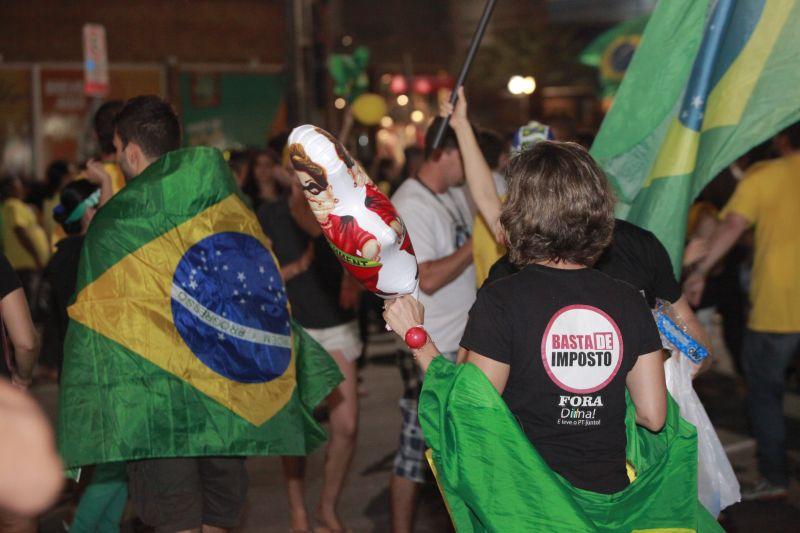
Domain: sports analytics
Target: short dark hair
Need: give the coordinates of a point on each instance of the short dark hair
(560, 206)
(55, 173)
(238, 159)
(151, 123)
(72, 195)
(449, 139)
(104, 125)
(7, 187)
(492, 146)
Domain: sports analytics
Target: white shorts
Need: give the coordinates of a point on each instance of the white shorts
(343, 338)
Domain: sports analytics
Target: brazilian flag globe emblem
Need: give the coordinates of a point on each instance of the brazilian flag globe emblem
(181, 340)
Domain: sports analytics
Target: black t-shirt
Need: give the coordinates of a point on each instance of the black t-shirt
(9, 281)
(635, 256)
(314, 294)
(570, 338)
(58, 286)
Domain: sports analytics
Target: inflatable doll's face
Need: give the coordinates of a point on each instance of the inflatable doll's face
(314, 181)
(320, 199)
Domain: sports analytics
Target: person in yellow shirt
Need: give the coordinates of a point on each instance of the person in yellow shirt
(104, 131)
(766, 199)
(487, 249)
(24, 240)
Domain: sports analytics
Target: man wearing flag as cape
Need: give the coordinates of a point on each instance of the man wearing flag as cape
(181, 356)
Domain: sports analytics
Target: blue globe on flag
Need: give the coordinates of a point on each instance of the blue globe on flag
(230, 307)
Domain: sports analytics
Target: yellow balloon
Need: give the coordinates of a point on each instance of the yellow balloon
(369, 108)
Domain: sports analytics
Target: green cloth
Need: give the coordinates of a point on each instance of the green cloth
(132, 386)
(493, 479)
(709, 81)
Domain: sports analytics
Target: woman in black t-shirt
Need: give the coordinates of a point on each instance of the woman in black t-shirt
(559, 340)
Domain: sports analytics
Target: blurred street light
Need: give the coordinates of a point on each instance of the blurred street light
(402, 100)
(387, 121)
(339, 103)
(417, 116)
(518, 85)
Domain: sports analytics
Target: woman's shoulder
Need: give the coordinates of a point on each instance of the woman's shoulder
(620, 288)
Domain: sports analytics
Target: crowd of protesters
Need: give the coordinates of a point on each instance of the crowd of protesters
(453, 221)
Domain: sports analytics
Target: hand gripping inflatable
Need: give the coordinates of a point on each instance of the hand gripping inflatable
(360, 223)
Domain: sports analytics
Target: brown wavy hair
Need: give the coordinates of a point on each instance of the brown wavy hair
(302, 163)
(560, 206)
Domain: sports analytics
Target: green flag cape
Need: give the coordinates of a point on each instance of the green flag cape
(180, 341)
(709, 81)
(493, 479)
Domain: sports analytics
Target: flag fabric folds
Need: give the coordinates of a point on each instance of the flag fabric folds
(709, 81)
(180, 340)
(493, 479)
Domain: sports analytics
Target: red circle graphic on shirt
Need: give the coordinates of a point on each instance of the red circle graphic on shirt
(582, 349)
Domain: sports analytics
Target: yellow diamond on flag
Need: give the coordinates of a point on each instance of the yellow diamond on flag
(204, 302)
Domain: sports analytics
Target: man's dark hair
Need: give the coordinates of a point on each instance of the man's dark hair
(104, 125)
(151, 123)
(492, 146)
(55, 173)
(238, 159)
(449, 139)
(7, 184)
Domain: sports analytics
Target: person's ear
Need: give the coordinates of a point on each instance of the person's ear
(135, 157)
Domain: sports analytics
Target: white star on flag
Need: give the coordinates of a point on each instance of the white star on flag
(261, 270)
(193, 284)
(240, 276)
(697, 102)
(221, 336)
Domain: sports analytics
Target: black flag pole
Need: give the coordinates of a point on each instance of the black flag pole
(473, 48)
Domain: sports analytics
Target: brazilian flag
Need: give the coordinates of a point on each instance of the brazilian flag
(611, 53)
(180, 340)
(709, 81)
(492, 478)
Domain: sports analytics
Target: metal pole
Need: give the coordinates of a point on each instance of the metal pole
(473, 48)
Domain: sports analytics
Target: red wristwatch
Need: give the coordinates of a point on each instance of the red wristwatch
(416, 337)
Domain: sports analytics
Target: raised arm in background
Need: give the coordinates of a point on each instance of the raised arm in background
(23, 336)
(476, 170)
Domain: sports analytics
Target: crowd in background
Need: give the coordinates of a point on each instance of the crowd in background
(43, 221)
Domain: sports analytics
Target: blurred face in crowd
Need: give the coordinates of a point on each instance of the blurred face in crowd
(240, 174)
(263, 169)
(452, 167)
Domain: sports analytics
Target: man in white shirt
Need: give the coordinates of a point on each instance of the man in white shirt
(434, 207)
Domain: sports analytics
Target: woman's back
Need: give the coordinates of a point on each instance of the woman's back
(570, 337)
